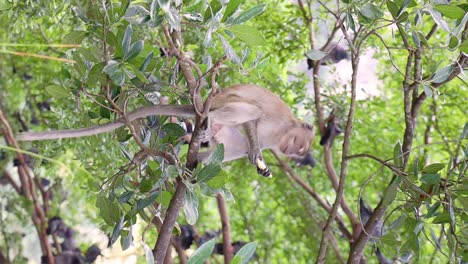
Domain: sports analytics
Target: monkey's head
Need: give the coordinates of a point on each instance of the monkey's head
(296, 141)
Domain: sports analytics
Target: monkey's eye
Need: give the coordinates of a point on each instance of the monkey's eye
(309, 126)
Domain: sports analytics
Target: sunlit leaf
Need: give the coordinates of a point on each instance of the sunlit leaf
(74, 37)
(371, 11)
(229, 51)
(217, 155)
(430, 178)
(191, 207)
(249, 14)
(57, 91)
(208, 172)
(174, 130)
(231, 7)
(433, 168)
(202, 253)
(450, 11)
(442, 74)
(250, 35)
(127, 39)
(247, 251)
(134, 50)
(398, 155)
(427, 90)
(143, 203)
(117, 230)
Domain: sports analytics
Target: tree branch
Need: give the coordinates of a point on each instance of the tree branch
(322, 202)
(28, 191)
(164, 237)
(344, 162)
(223, 213)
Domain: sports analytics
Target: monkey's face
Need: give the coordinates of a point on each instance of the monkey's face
(296, 141)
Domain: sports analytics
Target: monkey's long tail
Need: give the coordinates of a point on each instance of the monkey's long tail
(165, 110)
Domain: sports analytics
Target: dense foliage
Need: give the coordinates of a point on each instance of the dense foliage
(402, 151)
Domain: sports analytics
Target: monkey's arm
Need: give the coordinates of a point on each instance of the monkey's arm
(255, 153)
(166, 110)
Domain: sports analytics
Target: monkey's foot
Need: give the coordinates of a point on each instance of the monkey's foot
(262, 168)
(188, 174)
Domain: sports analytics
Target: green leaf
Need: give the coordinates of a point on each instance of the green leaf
(123, 7)
(442, 74)
(231, 8)
(75, 37)
(219, 180)
(164, 198)
(315, 54)
(442, 219)
(398, 155)
(453, 42)
(118, 77)
(191, 207)
(350, 22)
(430, 178)
(464, 133)
(403, 6)
(146, 62)
(217, 155)
(229, 51)
(393, 8)
(172, 171)
(117, 230)
(208, 172)
(127, 39)
(247, 251)
(57, 91)
(212, 9)
(433, 168)
(173, 129)
(126, 196)
(450, 11)
(126, 239)
(236, 260)
(135, 49)
(146, 185)
(432, 210)
(464, 46)
(202, 253)
(108, 210)
(371, 11)
(250, 35)
(143, 203)
(427, 90)
(438, 19)
(111, 67)
(249, 14)
(415, 37)
(391, 191)
(79, 65)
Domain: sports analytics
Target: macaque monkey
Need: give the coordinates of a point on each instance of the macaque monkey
(245, 118)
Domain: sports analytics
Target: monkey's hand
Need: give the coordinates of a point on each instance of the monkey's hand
(255, 157)
(262, 169)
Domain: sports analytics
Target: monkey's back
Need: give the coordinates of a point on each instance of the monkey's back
(273, 107)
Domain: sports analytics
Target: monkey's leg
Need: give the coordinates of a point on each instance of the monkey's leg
(235, 113)
(255, 153)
